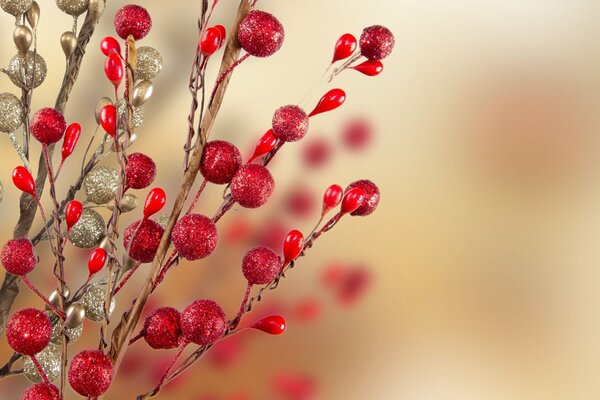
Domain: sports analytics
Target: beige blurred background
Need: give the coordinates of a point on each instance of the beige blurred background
(483, 251)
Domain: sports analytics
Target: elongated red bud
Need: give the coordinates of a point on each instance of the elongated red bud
(155, 201)
(110, 45)
(332, 198)
(113, 68)
(369, 67)
(292, 246)
(108, 119)
(71, 138)
(330, 101)
(344, 47)
(23, 180)
(211, 41)
(352, 200)
(96, 260)
(73, 212)
(223, 33)
(267, 142)
(273, 325)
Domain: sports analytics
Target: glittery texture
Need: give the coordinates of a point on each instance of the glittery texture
(101, 184)
(15, 7)
(18, 256)
(90, 373)
(137, 118)
(49, 359)
(163, 220)
(73, 7)
(28, 331)
(195, 236)
(41, 391)
(133, 20)
(140, 171)
(26, 62)
(149, 63)
(129, 202)
(88, 231)
(162, 329)
(11, 113)
(260, 265)
(252, 185)
(261, 34)
(48, 125)
(72, 333)
(93, 301)
(372, 195)
(290, 123)
(203, 322)
(146, 240)
(376, 42)
(220, 161)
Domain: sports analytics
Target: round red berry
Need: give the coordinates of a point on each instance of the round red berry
(146, 240)
(195, 236)
(203, 322)
(376, 42)
(260, 265)
(90, 373)
(290, 123)
(28, 331)
(162, 329)
(41, 391)
(220, 161)
(133, 20)
(261, 34)
(140, 171)
(252, 185)
(48, 126)
(18, 256)
(372, 196)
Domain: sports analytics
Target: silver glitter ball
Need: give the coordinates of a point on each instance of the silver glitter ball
(163, 220)
(73, 7)
(149, 63)
(49, 359)
(137, 119)
(101, 184)
(88, 231)
(15, 7)
(93, 301)
(24, 66)
(72, 333)
(11, 113)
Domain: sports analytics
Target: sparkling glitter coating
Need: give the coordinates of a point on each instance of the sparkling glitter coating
(163, 220)
(11, 113)
(162, 329)
(140, 171)
(48, 125)
(261, 34)
(26, 62)
(101, 184)
(49, 359)
(146, 240)
(73, 7)
(137, 118)
(149, 63)
(93, 301)
(376, 42)
(28, 331)
(195, 236)
(203, 322)
(88, 231)
(133, 20)
(260, 265)
(252, 185)
(41, 391)
(290, 123)
(90, 373)
(18, 256)
(220, 161)
(72, 333)
(15, 7)
(372, 195)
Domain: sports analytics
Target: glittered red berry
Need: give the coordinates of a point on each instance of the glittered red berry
(41, 391)
(220, 161)
(195, 236)
(372, 196)
(48, 126)
(113, 69)
(18, 256)
(292, 246)
(96, 260)
(71, 138)
(23, 180)
(273, 325)
(352, 200)
(332, 198)
(108, 119)
(260, 265)
(155, 201)
(267, 142)
(211, 41)
(203, 322)
(252, 185)
(261, 34)
(330, 101)
(162, 328)
(140, 171)
(290, 123)
(28, 331)
(133, 20)
(376, 42)
(73, 212)
(91, 373)
(110, 45)
(146, 241)
(369, 67)
(344, 47)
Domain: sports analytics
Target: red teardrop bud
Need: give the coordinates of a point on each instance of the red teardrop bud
(292, 246)
(273, 325)
(108, 119)
(344, 47)
(97, 260)
(23, 180)
(73, 212)
(352, 200)
(370, 67)
(113, 68)
(211, 41)
(332, 198)
(330, 101)
(71, 137)
(155, 201)
(110, 45)
(266, 143)
(223, 33)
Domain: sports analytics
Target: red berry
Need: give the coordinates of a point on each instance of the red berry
(96, 260)
(146, 241)
(357, 134)
(18, 256)
(369, 67)
(203, 322)
(113, 69)
(371, 194)
(23, 180)
(211, 41)
(73, 212)
(91, 373)
(260, 265)
(133, 20)
(28, 331)
(266, 143)
(332, 198)
(41, 391)
(344, 47)
(162, 329)
(155, 201)
(261, 34)
(71, 138)
(108, 119)
(222, 32)
(376, 42)
(140, 171)
(316, 152)
(110, 45)
(195, 236)
(48, 126)
(220, 161)
(292, 245)
(330, 101)
(352, 200)
(300, 201)
(252, 185)
(290, 123)
(273, 325)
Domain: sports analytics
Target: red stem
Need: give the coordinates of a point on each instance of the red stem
(224, 75)
(197, 197)
(38, 366)
(126, 278)
(136, 338)
(41, 296)
(170, 367)
(238, 318)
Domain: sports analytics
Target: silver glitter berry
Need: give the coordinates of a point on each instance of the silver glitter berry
(101, 184)
(93, 301)
(149, 63)
(49, 359)
(88, 231)
(72, 333)
(163, 220)
(137, 119)
(15, 7)
(11, 112)
(24, 66)
(73, 7)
